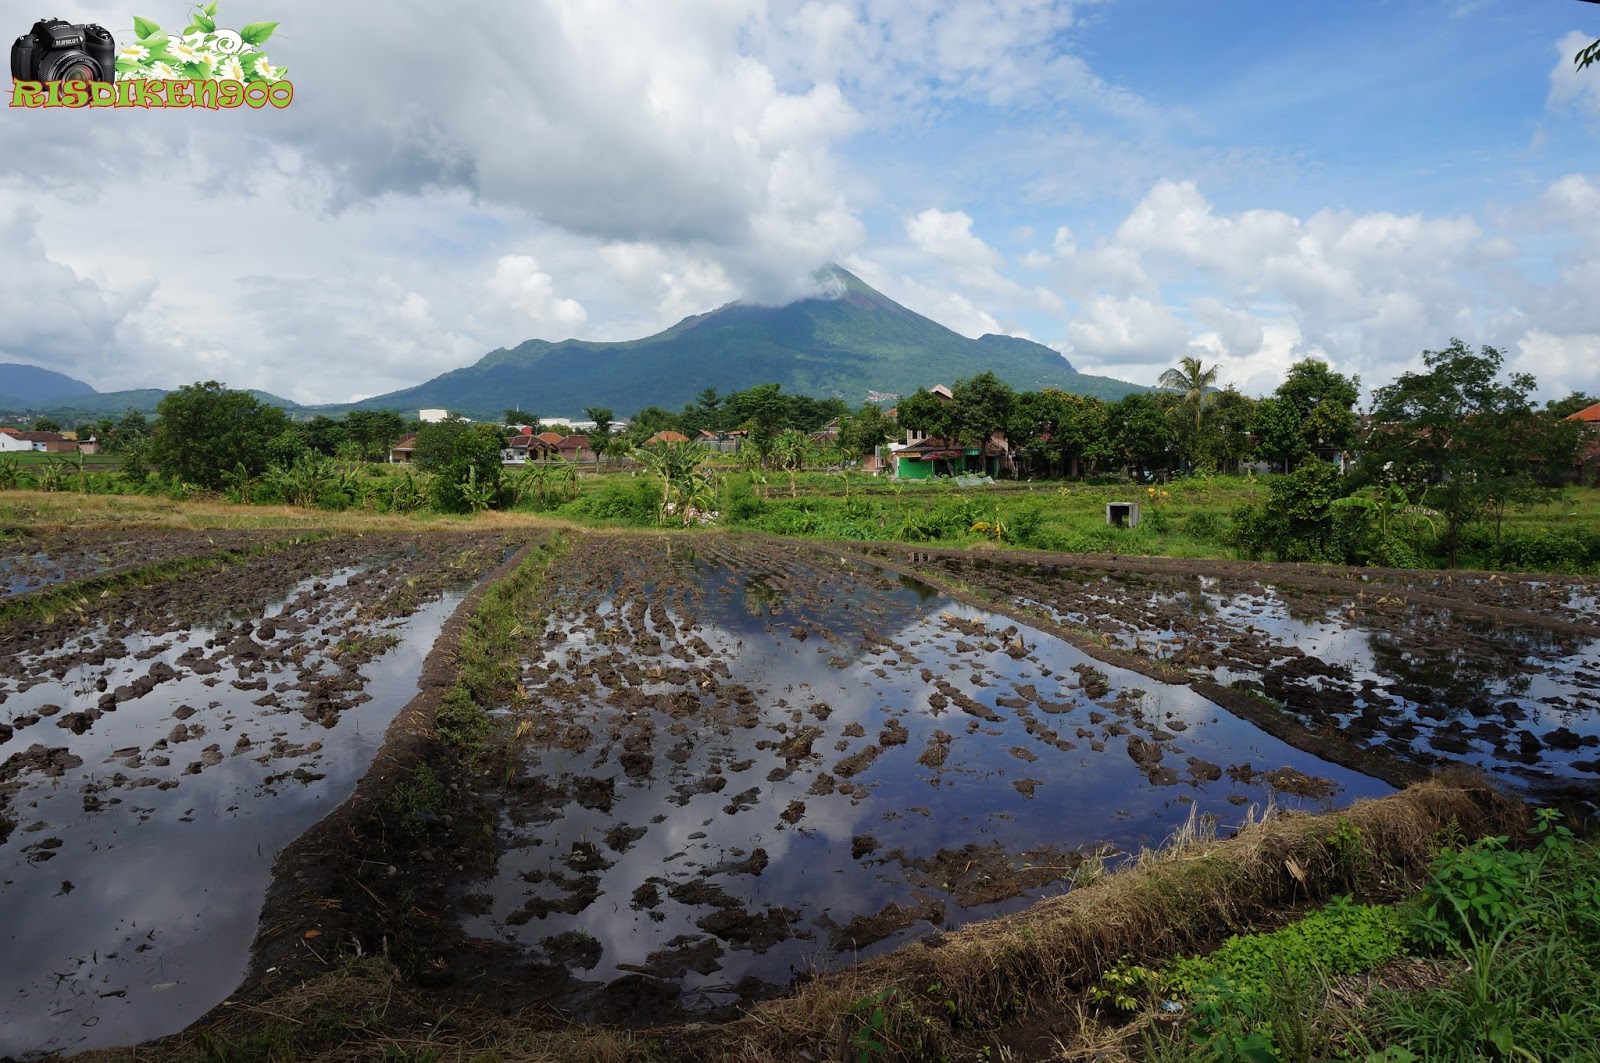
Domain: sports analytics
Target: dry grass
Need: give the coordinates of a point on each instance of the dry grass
(1178, 901)
(1037, 962)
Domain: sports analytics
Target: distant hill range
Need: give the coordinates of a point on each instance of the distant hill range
(857, 344)
(845, 347)
(28, 386)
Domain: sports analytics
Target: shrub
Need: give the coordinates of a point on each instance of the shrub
(1204, 527)
(630, 500)
(1543, 550)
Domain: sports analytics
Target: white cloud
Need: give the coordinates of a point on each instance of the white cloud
(1110, 331)
(1569, 86)
(519, 282)
(55, 316)
(1561, 364)
(947, 235)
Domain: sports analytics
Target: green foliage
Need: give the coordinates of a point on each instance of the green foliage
(1464, 440)
(1522, 928)
(466, 459)
(1280, 437)
(419, 799)
(867, 1039)
(205, 430)
(1324, 403)
(1299, 521)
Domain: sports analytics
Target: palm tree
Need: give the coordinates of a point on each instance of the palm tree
(1191, 377)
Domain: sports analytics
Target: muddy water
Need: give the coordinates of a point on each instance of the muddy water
(142, 844)
(1422, 682)
(743, 764)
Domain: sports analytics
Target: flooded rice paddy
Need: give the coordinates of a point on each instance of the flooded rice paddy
(747, 761)
(729, 760)
(157, 751)
(1496, 672)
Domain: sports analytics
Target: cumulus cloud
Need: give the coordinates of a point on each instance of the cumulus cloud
(1110, 331)
(55, 316)
(947, 235)
(1570, 87)
(518, 282)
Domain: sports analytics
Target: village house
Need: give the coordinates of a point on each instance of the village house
(529, 447)
(667, 436)
(13, 440)
(721, 442)
(922, 457)
(1589, 450)
(400, 453)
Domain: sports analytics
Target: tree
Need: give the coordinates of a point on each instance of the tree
(1137, 432)
(1228, 425)
(1578, 400)
(1325, 401)
(131, 431)
(1465, 439)
(1280, 438)
(791, 448)
(205, 429)
(46, 424)
(1056, 430)
(374, 431)
(684, 487)
(516, 416)
(1587, 56)
(324, 435)
(929, 413)
(600, 434)
(1191, 379)
(864, 431)
(762, 411)
(983, 406)
(465, 458)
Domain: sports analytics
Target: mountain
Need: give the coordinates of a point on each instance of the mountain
(844, 346)
(28, 385)
(77, 409)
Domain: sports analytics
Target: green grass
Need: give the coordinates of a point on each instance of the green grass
(90, 461)
(1510, 936)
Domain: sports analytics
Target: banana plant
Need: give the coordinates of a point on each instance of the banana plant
(479, 494)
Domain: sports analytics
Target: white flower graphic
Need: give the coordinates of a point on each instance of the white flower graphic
(230, 70)
(183, 51)
(138, 53)
(163, 72)
(263, 67)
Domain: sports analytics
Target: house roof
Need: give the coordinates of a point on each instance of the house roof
(406, 442)
(929, 449)
(519, 441)
(574, 442)
(668, 436)
(550, 437)
(1589, 414)
(36, 437)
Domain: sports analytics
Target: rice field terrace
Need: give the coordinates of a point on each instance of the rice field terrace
(681, 773)
(159, 744)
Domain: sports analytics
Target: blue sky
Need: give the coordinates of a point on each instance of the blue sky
(1128, 181)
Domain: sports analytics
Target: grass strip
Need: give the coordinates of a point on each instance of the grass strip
(491, 650)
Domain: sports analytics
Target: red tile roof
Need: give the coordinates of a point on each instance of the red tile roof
(1589, 414)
